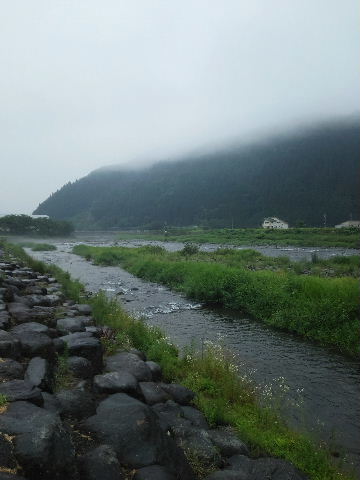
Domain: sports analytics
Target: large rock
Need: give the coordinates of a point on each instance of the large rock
(155, 370)
(131, 363)
(80, 367)
(70, 325)
(10, 369)
(83, 308)
(7, 458)
(30, 327)
(228, 443)
(16, 390)
(153, 393)
(116, 382)
(19, 312)
(36, 344)
(42, 446)
(179, 393)
(100, 463)
(196, 418)
(133, 430)
(154, 472)
(40, 374)
(9, 345)
(76, 403)
(83, 344)
(4, 320)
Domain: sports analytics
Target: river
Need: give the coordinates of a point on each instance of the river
(322, 387)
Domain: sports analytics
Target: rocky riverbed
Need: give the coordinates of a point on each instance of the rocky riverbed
(117, 419)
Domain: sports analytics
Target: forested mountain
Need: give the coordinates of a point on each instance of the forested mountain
(297, 178)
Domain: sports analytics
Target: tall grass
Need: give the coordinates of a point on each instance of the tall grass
(322, 309)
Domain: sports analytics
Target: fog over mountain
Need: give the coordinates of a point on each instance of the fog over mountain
(129, 83)
(299, 177)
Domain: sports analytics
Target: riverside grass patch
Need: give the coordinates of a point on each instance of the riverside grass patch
(224, 396)
(301, 237)
(321, 309)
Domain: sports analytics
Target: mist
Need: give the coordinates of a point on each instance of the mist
(129, 83)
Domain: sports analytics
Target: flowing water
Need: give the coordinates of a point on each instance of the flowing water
(320, 388)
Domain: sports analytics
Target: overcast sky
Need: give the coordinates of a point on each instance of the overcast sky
(87, 83)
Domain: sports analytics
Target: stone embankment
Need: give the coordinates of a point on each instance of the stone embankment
(67, 411)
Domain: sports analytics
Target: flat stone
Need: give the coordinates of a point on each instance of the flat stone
(83, 308)
(16, 390)
(116, 382)
(131, 363)
(70, 325)
(83, 344)
(36, 344)
(39, 373)
(32, 327)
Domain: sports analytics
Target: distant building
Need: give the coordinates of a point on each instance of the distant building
(349, 224)
(274, 222)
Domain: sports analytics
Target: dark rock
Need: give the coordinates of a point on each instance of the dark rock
(170, 415)
(154, 472)
(32, 327)
(96, 331)
(42, 447)
(231, 475)
(261, 468)
(59, 345)
(36, 344)
(228, 443)
(139, 353)
(198, 442)
(44, 315)
(44, 300)
(9, 346)
(16, 390)
(155, 370)
(70, 325)
(100, 463)
(8, 295)
(80, 367)
(40, 374)
(76, 403)
(131, 363)
(116, 382)
(153, 393)
(83, 308)
(20, 312)
(179, 393)
(10, 369)
(133, 430)
(196, 418)
(83, 344)
(51, 403)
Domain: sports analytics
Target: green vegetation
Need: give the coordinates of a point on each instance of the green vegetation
(3, 401)
(63, 377)
(222, 393)
(300, 237)
(321, 309)
(297, 178)
(40, 227)
(38, 247)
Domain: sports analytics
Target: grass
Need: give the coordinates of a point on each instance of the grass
(304, 237)
(321, 309)
(38, 247)
(222, 393)
(3, 403)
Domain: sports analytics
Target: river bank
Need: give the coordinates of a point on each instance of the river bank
(76, 404)
(260, 352)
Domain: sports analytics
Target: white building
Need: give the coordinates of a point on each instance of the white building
(274, 222)
(349, 224)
